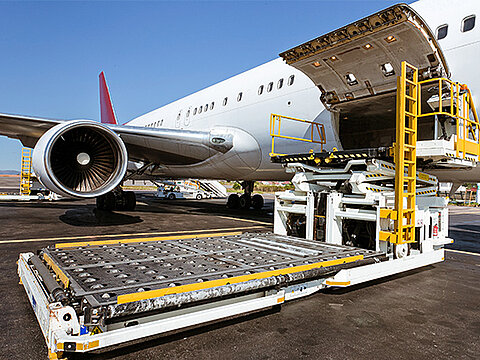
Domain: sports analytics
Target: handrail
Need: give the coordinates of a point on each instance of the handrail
(467, 140)
(275, 132)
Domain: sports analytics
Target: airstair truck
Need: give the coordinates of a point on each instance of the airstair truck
(359, 213)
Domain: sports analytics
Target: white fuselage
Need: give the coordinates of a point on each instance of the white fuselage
(251, 110)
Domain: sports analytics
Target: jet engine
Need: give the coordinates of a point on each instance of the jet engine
(80, 158)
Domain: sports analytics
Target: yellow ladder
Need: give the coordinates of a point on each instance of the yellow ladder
(405, 156)
(25, 171)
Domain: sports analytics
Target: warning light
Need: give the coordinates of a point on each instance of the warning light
(390, 39)
(367, 46)
(316, 64)
(333, 58)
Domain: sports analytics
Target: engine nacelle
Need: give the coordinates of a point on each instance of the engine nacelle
(80, 158)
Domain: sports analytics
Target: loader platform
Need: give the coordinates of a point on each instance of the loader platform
(104, 293)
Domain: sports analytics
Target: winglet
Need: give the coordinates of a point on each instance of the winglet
(107, 115)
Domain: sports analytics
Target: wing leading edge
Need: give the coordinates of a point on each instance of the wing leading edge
(161, 146)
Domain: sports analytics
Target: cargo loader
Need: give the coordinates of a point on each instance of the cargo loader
(356, 214)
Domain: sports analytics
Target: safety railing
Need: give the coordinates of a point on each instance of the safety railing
(316, 132)
(455, 102)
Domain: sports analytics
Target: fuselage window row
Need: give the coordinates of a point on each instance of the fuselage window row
(468, 23)
(225, 100)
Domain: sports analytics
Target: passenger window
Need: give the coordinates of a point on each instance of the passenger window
(270, 87)
(468, 23)
(212, 105)
(188, 113)
(290, 80)
(225, 101)
(206, 107)
(442, 32)
(260, 90)
(239, 97)
(280, 84)
(194, 111)
(200, 110)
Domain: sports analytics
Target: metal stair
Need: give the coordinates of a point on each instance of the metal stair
(25, 172)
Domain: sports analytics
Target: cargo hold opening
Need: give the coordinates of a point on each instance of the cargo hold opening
(371, 122)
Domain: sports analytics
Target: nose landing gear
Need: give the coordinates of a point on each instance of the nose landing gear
(246, 200)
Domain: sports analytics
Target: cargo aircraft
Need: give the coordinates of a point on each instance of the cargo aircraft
(345, 80)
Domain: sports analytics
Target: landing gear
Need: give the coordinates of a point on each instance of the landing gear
(257, 201)
(117, 200)
(233, 201)
(246, 200)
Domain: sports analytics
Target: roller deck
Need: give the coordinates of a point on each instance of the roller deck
(115, 274)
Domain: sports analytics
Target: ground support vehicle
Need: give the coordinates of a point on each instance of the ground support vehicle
(355, 215)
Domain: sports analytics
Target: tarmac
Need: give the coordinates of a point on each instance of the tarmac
(429, 313)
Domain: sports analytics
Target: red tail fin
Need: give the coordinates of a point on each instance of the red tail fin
(107, 115)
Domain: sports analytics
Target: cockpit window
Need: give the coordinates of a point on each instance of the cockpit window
(442, 32)
(468, 23)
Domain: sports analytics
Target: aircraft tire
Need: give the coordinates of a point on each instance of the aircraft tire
(199, 197)
(245, 201)
(171, 196)
(100, 202)
(233, 201)
(257, 201)
(130, 200)
(110, 201)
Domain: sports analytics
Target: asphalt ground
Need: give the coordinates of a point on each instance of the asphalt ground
(429, 313)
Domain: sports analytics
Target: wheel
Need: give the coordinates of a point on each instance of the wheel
(245, 201)
(233, 201)
(130, 200)
(257, 201)
(100, 201)
(401, 250)
(199, 197)
(171, 196)
(110, 201)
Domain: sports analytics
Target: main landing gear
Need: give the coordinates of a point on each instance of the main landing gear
(245, 201)
(117, 200)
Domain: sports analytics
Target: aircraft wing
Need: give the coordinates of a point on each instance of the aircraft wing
(162, 146)
(25, 128)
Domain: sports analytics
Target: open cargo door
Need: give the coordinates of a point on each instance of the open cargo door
(356, 69)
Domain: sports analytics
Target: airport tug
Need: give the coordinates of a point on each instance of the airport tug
(354, 216)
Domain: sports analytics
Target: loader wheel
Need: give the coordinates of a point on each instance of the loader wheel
(401, 250)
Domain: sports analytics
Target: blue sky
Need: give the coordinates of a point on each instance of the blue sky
(152, 52)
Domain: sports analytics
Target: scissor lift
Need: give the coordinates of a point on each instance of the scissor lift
(375, 198)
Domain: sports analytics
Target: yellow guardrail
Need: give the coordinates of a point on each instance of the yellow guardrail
(456, 102)
(317, 132)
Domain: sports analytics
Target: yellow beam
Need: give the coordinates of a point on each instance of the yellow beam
(135, 240)
(123, 299)
(61, 275)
